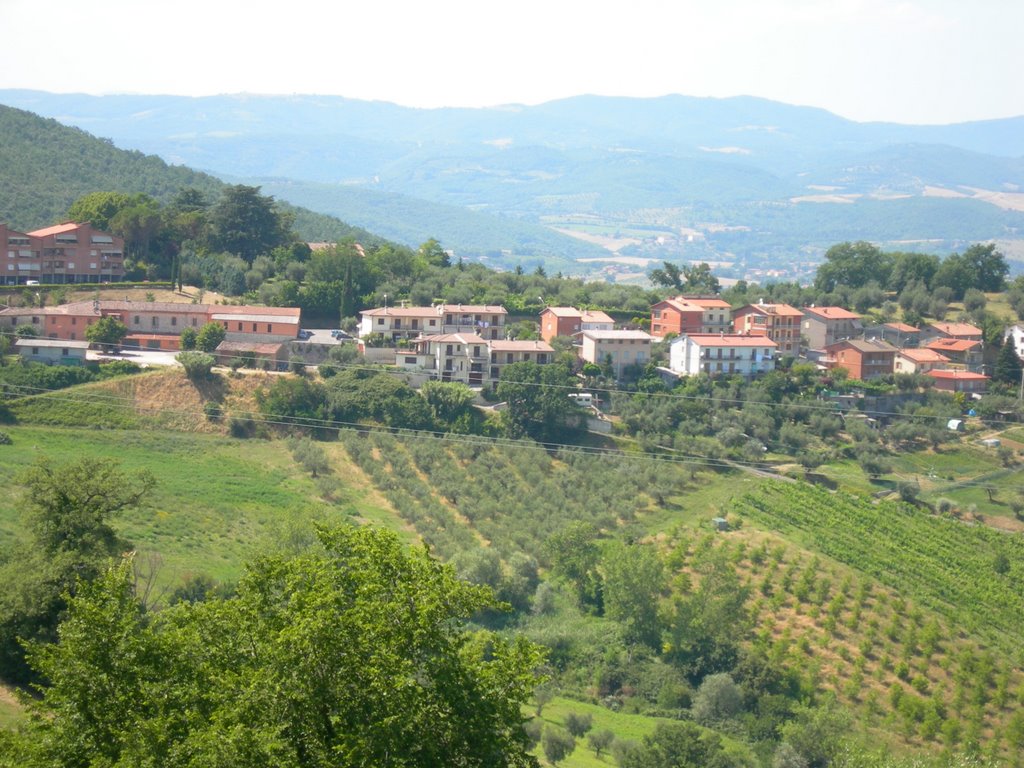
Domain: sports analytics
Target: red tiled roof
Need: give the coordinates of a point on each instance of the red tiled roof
(966, 375)
(957, 329)
(832, 313)
(56, 229)
(952, 345)
(772, 309)
(923, 355)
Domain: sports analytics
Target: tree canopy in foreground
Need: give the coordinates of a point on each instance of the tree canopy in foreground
(349, 654)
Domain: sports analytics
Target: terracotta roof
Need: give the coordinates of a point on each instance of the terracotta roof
(952, 345)
(967, 375)
(243, 309)
(772, 309)
(695, 304)
(520, 346)
(925, 355)
(56, 229)
(956, 329)
(832, 313)
(586, 315)
(727, 340)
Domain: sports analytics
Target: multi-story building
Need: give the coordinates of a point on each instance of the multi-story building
(827, 325)
(722, 355)
(507, 352)
(962, 353)
(157, 325)
(568, 321)
(65, 253)
(400, 322)
(22, 257)
(619, 348)
(691, 314)
(864, 359)
(961, 331)
(919, 361)
(453, 356)
(779, 322)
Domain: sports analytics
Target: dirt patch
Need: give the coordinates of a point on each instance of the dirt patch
(188, 295)
(614, 244)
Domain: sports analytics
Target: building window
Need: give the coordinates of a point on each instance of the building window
(136, 320)
(154, 322)
(74, 321)
(92, 265)
(174, 322)
(269, 327)
(254, 329)
(194, 323)
(239, 326)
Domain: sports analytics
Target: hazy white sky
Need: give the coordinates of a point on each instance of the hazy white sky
(922, 61)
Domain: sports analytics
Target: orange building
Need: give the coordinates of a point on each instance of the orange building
(779, 322)
(157, 325)
(691, 314)
(77, 253)
(864, 359)
(568, 321)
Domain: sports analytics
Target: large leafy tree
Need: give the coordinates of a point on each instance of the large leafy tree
(247, 224)
(68, 509)
(351, 654)
(687, 279)
(538, 399)
(108, 330)
(853, 265)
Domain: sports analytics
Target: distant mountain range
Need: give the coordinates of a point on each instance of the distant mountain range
(746, 182)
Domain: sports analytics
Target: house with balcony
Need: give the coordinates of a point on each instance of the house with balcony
(961, 353)
(864, 359)
(690, 314)
(960, 331)
(901, 335)
(718, 354)
(568, 321)
(823, 326)
(22, 259)
(398, 323)
(77, 253)
(463, 357)
(505, 352)
(617, 348)
(919, 361)
(779, 322)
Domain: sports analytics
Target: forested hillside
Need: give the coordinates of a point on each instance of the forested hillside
(46, 166)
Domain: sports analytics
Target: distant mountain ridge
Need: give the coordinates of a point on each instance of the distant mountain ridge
(677, 164)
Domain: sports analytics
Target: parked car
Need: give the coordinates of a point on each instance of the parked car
(304, 334)
(340, 335)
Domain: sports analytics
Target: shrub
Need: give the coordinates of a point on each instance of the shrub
(197, 365)
(212, 411)
(558, 745)
(5, 439)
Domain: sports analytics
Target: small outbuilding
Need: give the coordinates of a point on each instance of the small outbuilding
(720, 523)
(53, 351)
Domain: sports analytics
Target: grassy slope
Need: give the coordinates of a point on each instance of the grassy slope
(219, 499)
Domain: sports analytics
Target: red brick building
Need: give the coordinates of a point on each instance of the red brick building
(864, 359)
(779, 322)
(691, 314)
(65, 253)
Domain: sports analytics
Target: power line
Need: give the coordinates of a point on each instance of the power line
(338, 426)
